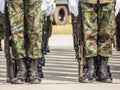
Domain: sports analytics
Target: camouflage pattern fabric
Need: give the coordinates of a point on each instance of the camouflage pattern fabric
(26, 28)
(1, 27)
(47, 31)
(113, 29)
(96, 1)
(98, 28)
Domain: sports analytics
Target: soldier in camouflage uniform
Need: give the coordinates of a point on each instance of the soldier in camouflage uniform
(98, 26)
(46, 33)
(1, 29)
(26, 32)
(98, 19)
(48, 8)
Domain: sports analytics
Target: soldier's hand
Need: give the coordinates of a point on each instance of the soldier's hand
(48, 7)
(73, 6)
(51, 9)
(2, 5)
(117, 7)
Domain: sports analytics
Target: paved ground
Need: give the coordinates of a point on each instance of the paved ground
(61, 69)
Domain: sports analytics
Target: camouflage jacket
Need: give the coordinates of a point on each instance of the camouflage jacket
(95, 1)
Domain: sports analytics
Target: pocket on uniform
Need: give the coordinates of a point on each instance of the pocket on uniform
(87, 7)
(108, 7)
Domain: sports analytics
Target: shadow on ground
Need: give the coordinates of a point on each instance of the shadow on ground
(61, 66)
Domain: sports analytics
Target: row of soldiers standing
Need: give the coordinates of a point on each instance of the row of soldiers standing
(96, 35)
(30, 29)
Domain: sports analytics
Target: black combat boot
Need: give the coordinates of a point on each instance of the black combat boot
(1, 46)
(90, 73)
(21, 72)
(34, 78)
(97, 59)
(104, 74)
(40, 72)
(42, 60)
(47, 49)
(28, 67)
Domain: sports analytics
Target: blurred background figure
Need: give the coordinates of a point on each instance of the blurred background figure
(48, 8)
(1, 29)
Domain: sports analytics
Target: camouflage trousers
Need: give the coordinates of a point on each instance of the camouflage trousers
(1, 27)
(26, 28)
(98, 28)
(47, 31)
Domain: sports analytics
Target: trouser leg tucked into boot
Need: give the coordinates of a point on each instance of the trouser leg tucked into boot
(40, 72)
(104, 74)
(34, 78)
(42, 60)
(28, 67)
(21, 72)
(89, 75)
(47, 49)
(97, 59)
(1, 46)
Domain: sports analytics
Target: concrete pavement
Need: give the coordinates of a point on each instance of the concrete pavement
(61, 70)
